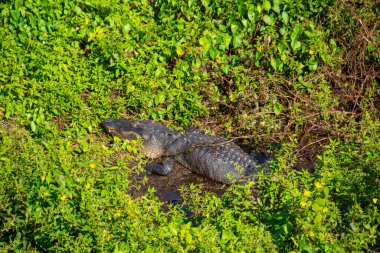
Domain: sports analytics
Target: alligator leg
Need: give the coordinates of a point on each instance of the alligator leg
(263, 160)
(162, 169)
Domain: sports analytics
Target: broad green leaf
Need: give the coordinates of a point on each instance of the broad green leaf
(48, 178)
(185, 67)
(206, 43)
(296, 32)
(189, 238)
(159, 99)
(273, 63)
(226, 41)
(244, 22)
(296, 45)
(197, 63)
(15, 15)
(259, 8)
(252, 13)
(191, 3)
(234, 28)
(205, 3)
(77, 10)
(276, 6)
(305, 247)
(33, 126)
(277, 108)
(285, 17)
(237, 41)
(213, 53)
(318, 218)
(18, 4)
(268, 20)
(313, 65)
(326, 190)
(281, 48)
(159, 72)
(266, 5)
(22, 36)
(321, 202)
(202, 41)
(353, 227)
(126, 28)
(225, 68)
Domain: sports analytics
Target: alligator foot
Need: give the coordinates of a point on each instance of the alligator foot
(163, 169)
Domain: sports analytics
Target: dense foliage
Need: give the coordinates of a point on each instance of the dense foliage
(299, 79)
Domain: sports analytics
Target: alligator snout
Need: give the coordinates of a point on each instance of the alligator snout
(121, 128)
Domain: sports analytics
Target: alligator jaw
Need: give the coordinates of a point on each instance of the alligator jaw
(121, 128)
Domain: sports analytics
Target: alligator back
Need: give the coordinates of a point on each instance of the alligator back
(213, 157)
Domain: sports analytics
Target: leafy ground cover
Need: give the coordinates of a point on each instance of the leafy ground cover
(298, 79)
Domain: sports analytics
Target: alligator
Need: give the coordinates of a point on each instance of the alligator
(204, 154)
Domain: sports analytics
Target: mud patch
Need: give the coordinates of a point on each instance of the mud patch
(167, 186)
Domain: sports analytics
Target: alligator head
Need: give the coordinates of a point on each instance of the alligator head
(155, 136)
(122, 128)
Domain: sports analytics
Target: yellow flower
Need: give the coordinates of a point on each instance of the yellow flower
(131, 213)
(63, 197)
(374, 200)
(43, 177)
(91, 37)
(118, 213)
(87, 21)
(180, 51)
(92, 165)
(88, 185)
(307, 193)
(133, 143)
(318, 185)
(311, 51)
(303, 203)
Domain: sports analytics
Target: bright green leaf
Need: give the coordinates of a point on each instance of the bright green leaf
(268, 20)
(33, 126)
(237, 41)
(266, 5)
(285, 17)
(234, 28)
(252, 13)
(276, 6)
(159, 99)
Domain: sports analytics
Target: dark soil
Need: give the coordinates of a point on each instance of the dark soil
(167, 186)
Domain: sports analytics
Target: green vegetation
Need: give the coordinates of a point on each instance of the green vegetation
(299, 78)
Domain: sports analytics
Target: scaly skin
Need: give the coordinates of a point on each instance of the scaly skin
(204, 154)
